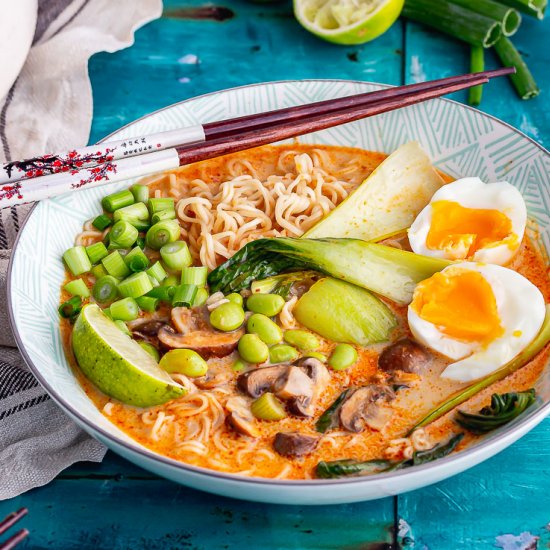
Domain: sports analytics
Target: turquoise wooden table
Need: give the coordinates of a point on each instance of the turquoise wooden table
(197, 48)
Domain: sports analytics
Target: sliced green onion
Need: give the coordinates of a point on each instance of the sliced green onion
(71, 308)
(107, 313)
(157, 272)
(477, 64)
(194, 275)
(147, 303)
(184, 296)
(77, 260)
(462, 23)
(136, 260)
(140, 225)
(107, 239)
(102, 222)
(140, 192)
(123, 234)
(115, 265)
(509, 18)
(163, 215)
(171, 280)
(154, 282)
(98, 271)
(150, 349)
(137, 210)
(96, 252)
(77, 288)
(523, 80)
(163, 293)
(534, 8)
(135, 285)
(162, 233)
(105, 289)
(117, 200)
(201, 297)
(124, 310)
(123, 327)
(140, 241)
(268, 407)
(176, 255)
(157, 204)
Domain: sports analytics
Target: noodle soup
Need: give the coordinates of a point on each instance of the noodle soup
(285, 414)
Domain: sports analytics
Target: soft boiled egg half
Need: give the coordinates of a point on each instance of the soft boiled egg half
(481, 316)
(471, 220)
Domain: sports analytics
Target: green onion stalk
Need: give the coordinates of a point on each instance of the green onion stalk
(508, 17)
(113, 202)
(162, 233)
(477, 64)
(454, 20)
(534, 8)
(523, 80)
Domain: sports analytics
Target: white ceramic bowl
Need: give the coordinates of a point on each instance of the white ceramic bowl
(17, 25)
(460, 140)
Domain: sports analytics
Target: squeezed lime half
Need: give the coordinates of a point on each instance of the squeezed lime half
(118, 365)
(347, 22)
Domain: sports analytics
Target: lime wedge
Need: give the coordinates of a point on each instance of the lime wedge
(118, 365)
(347, 22)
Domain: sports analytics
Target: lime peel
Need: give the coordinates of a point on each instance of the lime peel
(118, 365)
(347, 22)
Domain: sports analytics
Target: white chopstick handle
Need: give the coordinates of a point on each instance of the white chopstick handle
(110, 172)
(95, 155)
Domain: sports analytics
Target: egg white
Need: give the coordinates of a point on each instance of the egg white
(473, 193)
(521, 309)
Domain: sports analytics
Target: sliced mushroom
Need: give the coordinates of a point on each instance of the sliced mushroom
(257, 381)
(317, 371)
(207, 343)
(240, 418)
(405, 355)
(361, 408)
(148, 332)
(300, 406)
(293, 383)
(217, 375)
(242, 425)
(294, 444)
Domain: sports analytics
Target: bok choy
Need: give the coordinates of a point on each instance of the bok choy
(387, 202)
(387, 271)
(345, 313)
(348, 467)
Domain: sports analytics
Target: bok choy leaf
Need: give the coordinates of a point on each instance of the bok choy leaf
(349, 467)
(503, 408)
(387, 271)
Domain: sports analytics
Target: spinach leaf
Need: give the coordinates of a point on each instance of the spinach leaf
(350, 467)
(504, 408)
(329, 419)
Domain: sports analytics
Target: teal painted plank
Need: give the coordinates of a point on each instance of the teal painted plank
(260, 43)
(508, 494)
(429, 55)
(141, 514)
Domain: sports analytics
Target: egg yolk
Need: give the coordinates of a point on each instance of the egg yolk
(462, 231)
(461, 303)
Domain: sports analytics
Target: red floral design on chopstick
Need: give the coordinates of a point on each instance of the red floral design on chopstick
(10, 191)
(98, 173)
(54, 164)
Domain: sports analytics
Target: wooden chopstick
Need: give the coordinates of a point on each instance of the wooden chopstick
(227, 127)
(13, 541)
(239, 134)
(12, 519)
(9, 521)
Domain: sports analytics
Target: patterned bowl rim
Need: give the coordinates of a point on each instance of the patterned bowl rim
(474, 452)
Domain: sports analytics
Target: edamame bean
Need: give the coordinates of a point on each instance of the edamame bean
(252, 349)
(268, 331)
(302, 339)
(228, 316)
(316, 355)
(238, 365)
(235, 298)
(342, 357)
(267, 304)
(282, 353)
(184, 361)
